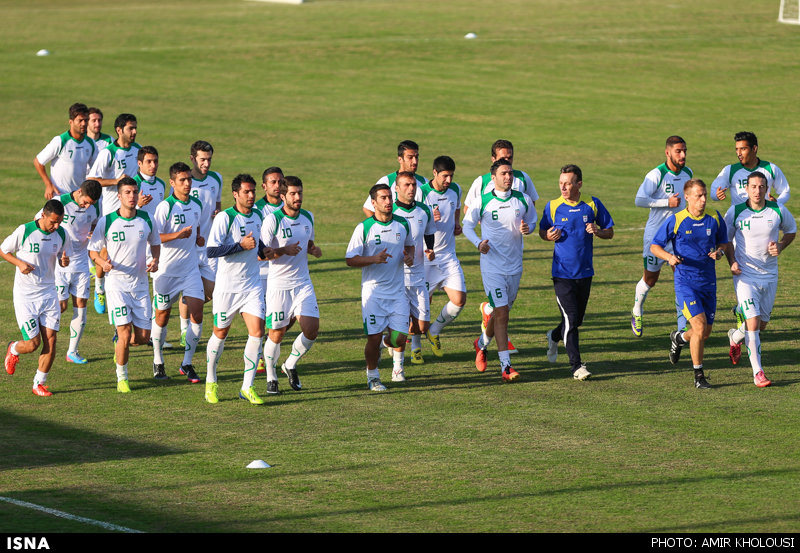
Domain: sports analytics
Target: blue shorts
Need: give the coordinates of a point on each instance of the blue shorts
(694, 302)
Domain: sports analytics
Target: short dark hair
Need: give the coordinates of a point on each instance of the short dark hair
(179, 167)
(747, 136)
(92, 189)
(406, 145)
(269, 171)
(289, 181)
(201, 146)
(444, 163)
(144, 150)
(692, 183)
(501, 145)
(77, 109)
(53, 207)
(757, 175)
(406, 175)
(572, 168)
(674, 139)
(499, 163)
(373, 192)
(236, 184)
(123, 119)
(97, 111)
(126, 181)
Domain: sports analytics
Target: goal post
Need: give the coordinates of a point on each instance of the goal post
(789, 12)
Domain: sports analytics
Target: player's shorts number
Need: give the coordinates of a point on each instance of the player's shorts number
(162, 298)
(498, 293)
(748, 304)
(372, 320)
(29, 325)
(120, 312)
(278, 316)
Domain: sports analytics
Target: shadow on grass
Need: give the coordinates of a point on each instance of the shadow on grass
(26, 438)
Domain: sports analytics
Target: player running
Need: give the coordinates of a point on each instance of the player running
(177, 219)
(290, 296)
(661, 193)
(35, 248)
(234, 242)
(408, 160)
(380, 245)
(124, 234)
(443, 271)
(698, 238)
(754, 228)
(505, 216)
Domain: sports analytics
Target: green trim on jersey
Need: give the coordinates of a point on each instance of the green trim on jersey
(762, 164)
(488, 197)
(428, 189)
(738, 208)
(232, 212)
(66, 137)
(664, 170)
(369, 223)
(111, 217)
(487, 178)
(262, 203)
(139, 178)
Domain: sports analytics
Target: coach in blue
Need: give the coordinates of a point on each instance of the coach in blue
(572, 224)
(699, 238)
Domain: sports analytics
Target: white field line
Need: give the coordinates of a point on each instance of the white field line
(62, 514)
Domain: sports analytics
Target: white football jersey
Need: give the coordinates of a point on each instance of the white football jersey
(371, 237)
(69, 161)
(420, 223)
(752, 231)
(288, 271)
(114, 162)
(151, 186)
(390, 181)
(78, 224)
(266, 209)
(654, 193)
(178, 257)
(485, 184)
(448, 203)
(40, 249)
(237, 272)
(500, 219)
(734, 179)
(126, 241)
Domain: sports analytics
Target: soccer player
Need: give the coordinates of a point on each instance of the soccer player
(660, 192)
(152, 190)
(380, 245)
(35, 248)
(69, 154)
(754, 228)
(117, 160)
(289, 233)
(177, 219)
(505, 216)
(735, 176)
(699, 238)
(572, 224)
(501, 149)
(114, 162)
(408, 159)
(206, 187)
(234, 241)
(124, 234)
(81, 212)
(443, 272)
(95, 127)
(422, 228)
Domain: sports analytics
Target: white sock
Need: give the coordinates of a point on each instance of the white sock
(505, 359)
(300, 347)
(416, 341)
(638, 299)
(157, 335)
(39, 378)
(753, 342)
(449, 312)
(272, 352)
(251, 350)
(14, 349)
(738, 335)
(193, 333)
(373, 373)
(484, 341)
(213, 353)
(398, 358)
(100, 285)
(122, 372)
(76, 326)
(184, 325)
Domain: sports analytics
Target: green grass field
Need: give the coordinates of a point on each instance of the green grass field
(326, 90)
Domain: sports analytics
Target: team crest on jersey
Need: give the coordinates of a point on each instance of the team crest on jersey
(141, 234)
(769, 223)
(516, 213)
(708, 232)
(585, 218)
(397, 235)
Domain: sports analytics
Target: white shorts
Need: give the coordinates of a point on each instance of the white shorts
(167, 289)
(501, 289)
(419, 302)
(225, 306)
(31, 315)
(283, 305)
(382, 313)
(652, 263)
(129, 307)
(207, 270)
(72, 284)
(445, 275)
(756, 299)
